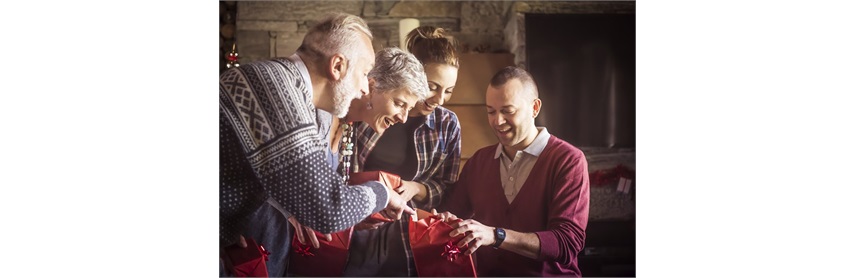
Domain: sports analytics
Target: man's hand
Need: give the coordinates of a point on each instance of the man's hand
(476, 233)
(241, 242)
(300, 229)
(396, 207)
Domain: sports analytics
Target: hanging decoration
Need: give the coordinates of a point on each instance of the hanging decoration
(232, 57)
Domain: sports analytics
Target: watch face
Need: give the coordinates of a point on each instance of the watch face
(500, 237)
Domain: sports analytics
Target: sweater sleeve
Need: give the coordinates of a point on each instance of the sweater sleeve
(568, 211)
(278, 135)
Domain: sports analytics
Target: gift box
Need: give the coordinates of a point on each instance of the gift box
(329, 260)
(435, 253)
(247, 262)
(390, 180)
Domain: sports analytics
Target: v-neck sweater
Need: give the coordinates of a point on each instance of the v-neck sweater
(553, 203)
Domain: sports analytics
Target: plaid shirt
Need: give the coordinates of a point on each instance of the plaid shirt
(437, 143)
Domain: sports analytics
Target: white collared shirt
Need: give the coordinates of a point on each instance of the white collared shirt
(514, 172)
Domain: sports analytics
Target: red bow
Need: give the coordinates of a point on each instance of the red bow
(303, 250)
(451, 251)
(264, 252)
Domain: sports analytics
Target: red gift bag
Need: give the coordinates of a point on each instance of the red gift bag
(435, 253)
(331, 258)
(247, 262)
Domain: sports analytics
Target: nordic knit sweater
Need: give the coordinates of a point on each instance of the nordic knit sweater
(269, 146)
(552, 203)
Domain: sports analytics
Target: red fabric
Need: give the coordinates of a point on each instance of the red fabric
(435, 253)
(390, 180)
(329, 260)
(553, 203)
(248, 262)
(611, 176)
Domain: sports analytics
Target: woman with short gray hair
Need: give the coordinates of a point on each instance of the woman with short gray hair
(396, 84)
(424, 151)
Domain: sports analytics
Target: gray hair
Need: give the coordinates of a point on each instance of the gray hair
(395, 69)
(336, 33)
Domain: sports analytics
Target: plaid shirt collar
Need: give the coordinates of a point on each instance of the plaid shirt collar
(431, 120)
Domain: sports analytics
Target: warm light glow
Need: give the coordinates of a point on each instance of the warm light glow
(404, 27)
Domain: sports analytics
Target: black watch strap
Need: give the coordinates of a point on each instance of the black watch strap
(499, 233)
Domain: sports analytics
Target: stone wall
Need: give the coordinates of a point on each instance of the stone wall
(268, 29)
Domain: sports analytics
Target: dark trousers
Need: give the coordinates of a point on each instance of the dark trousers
(378, 252)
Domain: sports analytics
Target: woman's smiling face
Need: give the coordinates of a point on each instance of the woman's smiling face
(441, 80)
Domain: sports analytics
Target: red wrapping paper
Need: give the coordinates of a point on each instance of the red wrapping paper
(435, 253)
(390, 180)
(248, 262)
(331, 258)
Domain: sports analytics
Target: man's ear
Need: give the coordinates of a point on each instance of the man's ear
(337, 67)
(536, 107)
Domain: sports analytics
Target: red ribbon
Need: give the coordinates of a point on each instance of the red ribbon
(264, 252)
(451, 251)
(303, 250)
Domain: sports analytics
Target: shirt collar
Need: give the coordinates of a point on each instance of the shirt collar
(431, 118)
(304, 71)
(535, 148)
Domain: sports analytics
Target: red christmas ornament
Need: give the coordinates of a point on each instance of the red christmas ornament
(232, 57)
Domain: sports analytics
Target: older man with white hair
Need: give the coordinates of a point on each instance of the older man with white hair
(270, 151)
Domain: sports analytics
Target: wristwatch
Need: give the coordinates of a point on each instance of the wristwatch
(500, 237)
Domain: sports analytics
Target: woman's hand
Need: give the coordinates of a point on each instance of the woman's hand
(410, 189)
(445, 216)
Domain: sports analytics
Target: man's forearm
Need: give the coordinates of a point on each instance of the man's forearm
(525, 244)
